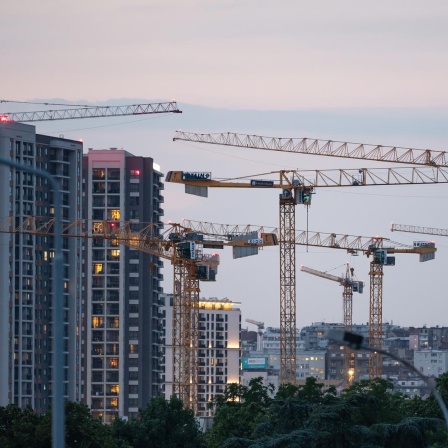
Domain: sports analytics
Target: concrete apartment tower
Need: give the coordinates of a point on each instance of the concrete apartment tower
(122, 331)
(26, 343)
(219, 353)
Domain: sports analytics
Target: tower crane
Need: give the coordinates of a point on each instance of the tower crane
(260, 326)
(312, 146)
(418, 229)
(377, 247)
(297, 187)
(90, 112)
(185, 250)
(350, 286)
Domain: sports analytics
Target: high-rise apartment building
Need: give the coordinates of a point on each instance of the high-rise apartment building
(26, 306)
(122, 342)
(219, 355)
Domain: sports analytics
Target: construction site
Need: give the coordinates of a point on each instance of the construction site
(125, 333)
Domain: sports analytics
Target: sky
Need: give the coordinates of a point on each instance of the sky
(369, 72)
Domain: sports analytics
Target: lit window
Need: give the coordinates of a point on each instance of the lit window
(97, 227)
(115, 388)
(115, 253)
(113, 363)
(114, 214)
(97, 322)
(135, 173)
(98, 268)
(98, 173)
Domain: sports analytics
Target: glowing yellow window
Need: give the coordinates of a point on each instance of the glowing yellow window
(97, 322)
(113, 363)
(115, 253)
(97, 227)
(98, 268)
(115, 388)
(115, 214)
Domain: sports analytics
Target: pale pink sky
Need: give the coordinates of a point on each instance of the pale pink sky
(242, 54)
(258, 55)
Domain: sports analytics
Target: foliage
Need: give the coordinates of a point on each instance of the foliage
(368, 414)
(239, 411)
(161, 423)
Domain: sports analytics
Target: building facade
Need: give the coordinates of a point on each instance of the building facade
(26, 302)
(219, 354)
(122, 343)
(431, 363)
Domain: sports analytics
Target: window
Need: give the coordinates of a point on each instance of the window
(98, 214)
(113, 363)
(113, 389)
(133, 281)
(97, 322)
(99, 187)
(97, 363)
(114, 214)
(113, 254)
(113, 322)
(98, 201)
(113, 201)
(113, 296)
(97, 336)
(134, 201)
(97, 377)
(135, 174)
(113, 173)
(97, 308)
(133, 321)
(112, 403)
(98, 268)
(98, 173)
(113, 187)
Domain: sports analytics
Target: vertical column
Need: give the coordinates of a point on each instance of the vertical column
(376, 318)
(287, 289)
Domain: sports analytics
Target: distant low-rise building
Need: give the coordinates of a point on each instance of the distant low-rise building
(431, 363)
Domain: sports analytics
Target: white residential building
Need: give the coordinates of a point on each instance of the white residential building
(219, 354)
(431, 362)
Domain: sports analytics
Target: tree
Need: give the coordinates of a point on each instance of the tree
(18, 427)
(239, 411)
(162, 423)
